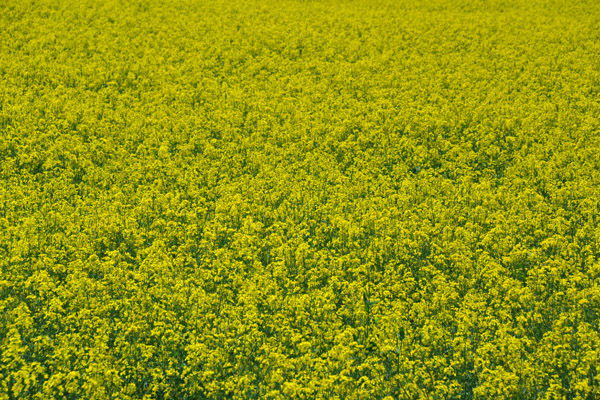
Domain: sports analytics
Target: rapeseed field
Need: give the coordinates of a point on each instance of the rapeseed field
(335, 199)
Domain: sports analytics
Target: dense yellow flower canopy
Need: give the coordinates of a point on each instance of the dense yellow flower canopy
(382, 199)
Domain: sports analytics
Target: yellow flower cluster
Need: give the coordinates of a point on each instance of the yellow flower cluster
(337, 199)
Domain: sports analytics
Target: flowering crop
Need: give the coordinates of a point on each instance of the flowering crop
(382, 199)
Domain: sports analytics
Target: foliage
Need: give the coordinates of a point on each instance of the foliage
(299, 199)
